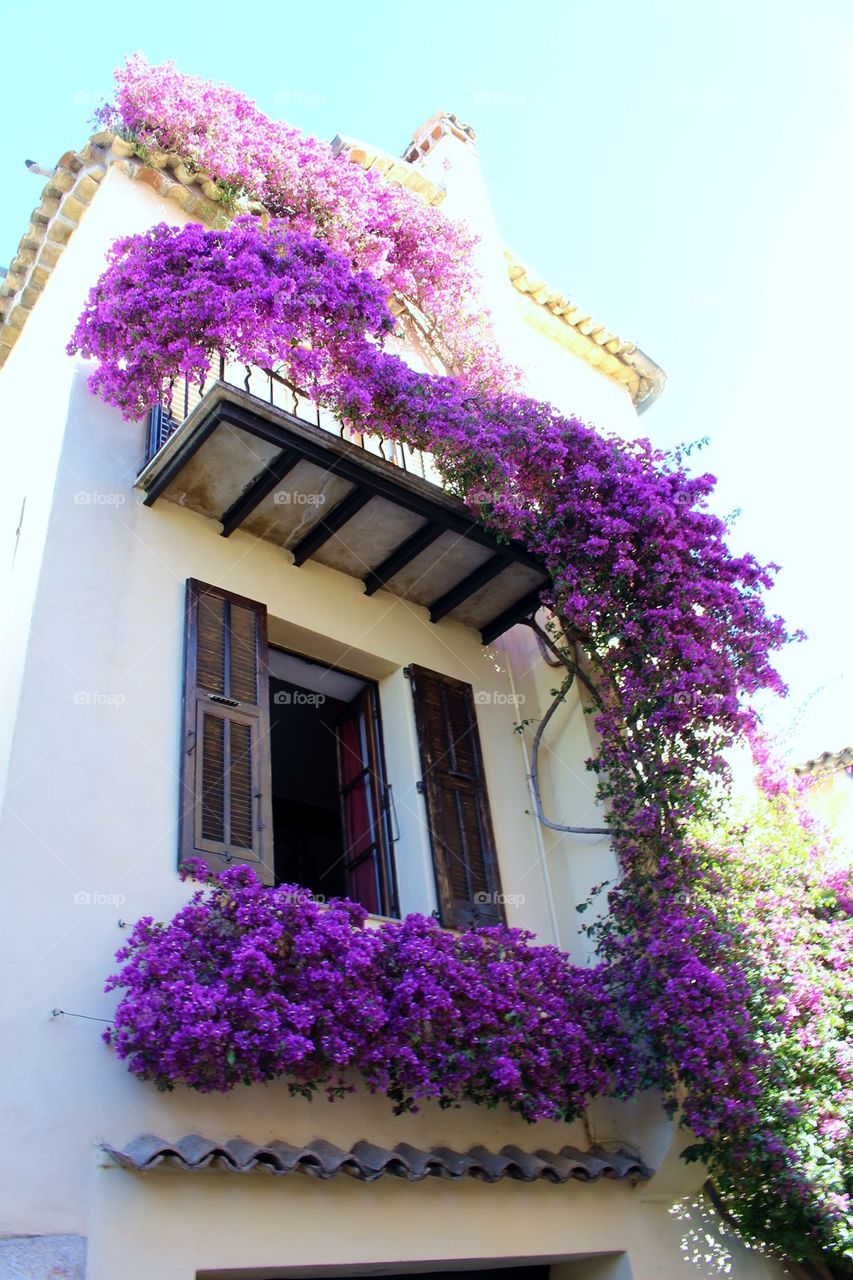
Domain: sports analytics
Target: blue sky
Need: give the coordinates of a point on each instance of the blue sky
(683, 171)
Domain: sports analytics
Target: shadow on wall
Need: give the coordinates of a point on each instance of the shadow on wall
(712, 1248)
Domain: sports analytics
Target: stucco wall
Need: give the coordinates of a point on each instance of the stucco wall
(831, 800)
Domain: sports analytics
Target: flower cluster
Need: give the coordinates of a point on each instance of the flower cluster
(410, 247)
(246, 984)
(790, 904)
(667, 629)
(172, 299)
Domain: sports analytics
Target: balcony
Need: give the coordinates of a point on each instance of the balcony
(275, 390)
(263, 459)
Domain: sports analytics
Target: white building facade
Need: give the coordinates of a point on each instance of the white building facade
(349, 597)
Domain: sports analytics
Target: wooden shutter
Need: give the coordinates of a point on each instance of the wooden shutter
(454, 786)
(226, 787)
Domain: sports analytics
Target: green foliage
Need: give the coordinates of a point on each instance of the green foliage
(789, 893)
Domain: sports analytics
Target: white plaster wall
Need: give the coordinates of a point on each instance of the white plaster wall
(88, 837)
(576, 864)
(300, 1222)
(36, 410)
(184, 1224)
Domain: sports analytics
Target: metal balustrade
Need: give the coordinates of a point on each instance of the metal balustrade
(272, 388)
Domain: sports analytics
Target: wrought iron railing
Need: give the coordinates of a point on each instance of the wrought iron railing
(273, 389)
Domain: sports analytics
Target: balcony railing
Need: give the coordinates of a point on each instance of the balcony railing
(275, 390)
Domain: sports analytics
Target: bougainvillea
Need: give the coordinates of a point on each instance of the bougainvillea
(666, 628)
(409, 246)
(249, 291)
(246, 984)
(789, 902)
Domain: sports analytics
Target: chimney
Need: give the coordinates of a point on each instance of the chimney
(442, 124)
(445, 150)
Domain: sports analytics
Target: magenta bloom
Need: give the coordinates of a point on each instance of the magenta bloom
(248, 983)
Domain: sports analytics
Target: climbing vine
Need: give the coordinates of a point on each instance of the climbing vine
(789, 894)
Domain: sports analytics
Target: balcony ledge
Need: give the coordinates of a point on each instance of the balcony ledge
(255, 467)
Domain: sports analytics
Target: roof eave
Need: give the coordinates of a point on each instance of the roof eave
(78, 175)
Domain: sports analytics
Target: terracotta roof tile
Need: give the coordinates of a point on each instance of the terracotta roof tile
(827, 763)
(71, 188)
(368, 1162)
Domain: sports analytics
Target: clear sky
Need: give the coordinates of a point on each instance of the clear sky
(682, 170)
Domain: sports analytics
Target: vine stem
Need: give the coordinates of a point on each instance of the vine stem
(574, 668)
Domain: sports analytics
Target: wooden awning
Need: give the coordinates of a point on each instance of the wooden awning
(254, 466)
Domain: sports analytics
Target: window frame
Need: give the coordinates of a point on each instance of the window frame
(380, 790)
(476, 842)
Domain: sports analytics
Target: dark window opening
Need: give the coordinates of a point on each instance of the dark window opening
(329, 797)
(498, 1270)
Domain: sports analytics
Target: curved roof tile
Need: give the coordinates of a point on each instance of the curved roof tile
(368, 1162)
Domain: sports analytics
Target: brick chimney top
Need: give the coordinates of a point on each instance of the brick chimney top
(433, 130)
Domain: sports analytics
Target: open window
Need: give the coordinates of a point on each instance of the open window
(283, 770)
(282, 767)
(330, 807)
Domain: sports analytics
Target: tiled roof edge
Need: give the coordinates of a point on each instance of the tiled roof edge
(70, 190)
(367, 1162)
(827, 763)
(644, 378)
(64, 200)
(392, 168)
